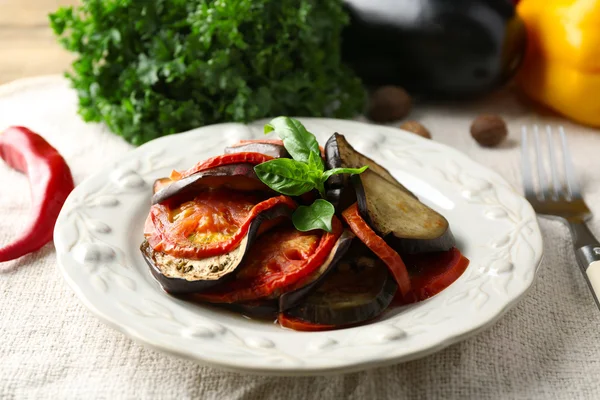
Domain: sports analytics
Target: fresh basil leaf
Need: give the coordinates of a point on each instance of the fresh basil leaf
(299, 142)
(316, 216)
(315, 162)
(286, 176)
(336, 171)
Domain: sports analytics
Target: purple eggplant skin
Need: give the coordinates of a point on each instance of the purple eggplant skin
(350, 295)
(257, 309)
(339, 153)
(336, 185)
(361, 201)
(236, 176)
(416, 246)
(160, 183)
(176, 285)
(294, 297)
(333, 160)
(436, 48)
(385, 195)
(269, 149)
(260, 309)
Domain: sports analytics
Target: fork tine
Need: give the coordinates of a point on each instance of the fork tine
(542, 182)
(556, 186)
(526, 164)
(570, 178)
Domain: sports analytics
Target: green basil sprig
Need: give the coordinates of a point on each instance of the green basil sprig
(301, 174)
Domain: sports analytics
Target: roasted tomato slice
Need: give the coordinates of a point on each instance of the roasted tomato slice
(391, 258)
(212, 223)
(223, 159)
(280, 258)
(297, 324)
(430, 273)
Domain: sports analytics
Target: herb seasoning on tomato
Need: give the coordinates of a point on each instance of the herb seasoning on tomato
(280, 258)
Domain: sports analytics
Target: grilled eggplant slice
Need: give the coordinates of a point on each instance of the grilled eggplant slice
(233, 176)
(358, 289)
(254, 309)
(408, 225)
(295, 294)
(388, 207)
(270, 147)
(257, 309)
(184, 275)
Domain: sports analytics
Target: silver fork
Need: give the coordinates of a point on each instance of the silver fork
(560, 198)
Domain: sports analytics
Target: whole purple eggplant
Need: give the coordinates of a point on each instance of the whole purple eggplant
(435, 48)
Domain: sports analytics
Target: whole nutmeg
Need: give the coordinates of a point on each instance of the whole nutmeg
(489, 130)
(416, 128)
(389, 103)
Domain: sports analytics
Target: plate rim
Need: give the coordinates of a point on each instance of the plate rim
(351, 366)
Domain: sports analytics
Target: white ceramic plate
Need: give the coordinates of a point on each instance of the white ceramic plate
(100, 228)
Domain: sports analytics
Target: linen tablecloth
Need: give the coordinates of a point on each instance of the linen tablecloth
(547, 347)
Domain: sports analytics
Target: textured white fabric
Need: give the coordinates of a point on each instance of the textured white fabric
(547, 347)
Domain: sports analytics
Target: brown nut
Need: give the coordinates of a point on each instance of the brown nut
(416, 128)
(389, 103)
(489, 130)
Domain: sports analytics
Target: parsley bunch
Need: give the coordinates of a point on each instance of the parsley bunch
(152, 68)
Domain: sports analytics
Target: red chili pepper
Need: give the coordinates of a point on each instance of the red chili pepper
(50, 183)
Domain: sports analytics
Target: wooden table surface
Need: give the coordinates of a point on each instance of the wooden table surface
(27, 45)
